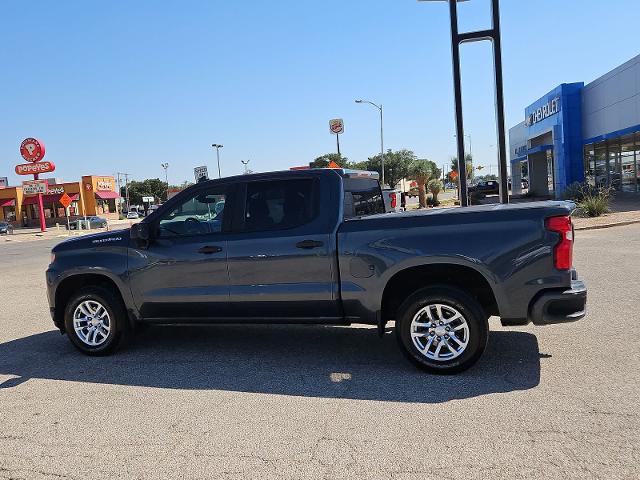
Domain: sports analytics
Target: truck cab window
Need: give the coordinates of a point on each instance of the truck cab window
(201, 214)
(279, 205)
(362, 196)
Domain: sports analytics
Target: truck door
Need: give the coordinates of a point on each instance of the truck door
(182, 274)
(281, 260)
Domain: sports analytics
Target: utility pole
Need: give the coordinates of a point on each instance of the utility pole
(379, 107)
(246, 168)
(118, 203)
(126, 187)
(166, 178)
(217, 146)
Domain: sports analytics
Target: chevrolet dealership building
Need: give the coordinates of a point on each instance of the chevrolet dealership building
(578, 133)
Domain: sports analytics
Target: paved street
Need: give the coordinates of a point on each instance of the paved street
(324, 402)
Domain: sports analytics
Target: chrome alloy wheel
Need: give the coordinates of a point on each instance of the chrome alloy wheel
(439, 332)
(91, 323)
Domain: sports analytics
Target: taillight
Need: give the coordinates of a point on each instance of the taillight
(394, 200)
(563, 251)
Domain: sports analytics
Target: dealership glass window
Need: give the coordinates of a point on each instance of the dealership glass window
(589, 164)
(601, 164)
(628, 164)
(637, 156)
(550, 172)
(614, 167)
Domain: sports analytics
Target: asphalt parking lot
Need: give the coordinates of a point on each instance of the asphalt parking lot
(324, 402)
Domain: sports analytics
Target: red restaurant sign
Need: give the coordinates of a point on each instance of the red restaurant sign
(35, 168)
(32, 149)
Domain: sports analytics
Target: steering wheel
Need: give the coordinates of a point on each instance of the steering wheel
(192, 225)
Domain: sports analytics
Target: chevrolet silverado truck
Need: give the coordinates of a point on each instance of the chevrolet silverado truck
(317, 247)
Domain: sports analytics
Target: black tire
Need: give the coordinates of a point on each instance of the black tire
(468, 307)
(118, 321)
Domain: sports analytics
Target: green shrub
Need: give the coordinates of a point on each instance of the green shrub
(475, 198)
(594, 201)
(577, 191)
(432, 202)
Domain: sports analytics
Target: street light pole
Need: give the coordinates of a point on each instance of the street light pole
(379, 107)
(166, 178)
(218, 147)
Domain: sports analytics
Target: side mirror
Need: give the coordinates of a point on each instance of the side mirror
(141, 233)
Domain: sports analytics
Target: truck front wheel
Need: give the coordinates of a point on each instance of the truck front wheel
(442, 329)
(95, 320)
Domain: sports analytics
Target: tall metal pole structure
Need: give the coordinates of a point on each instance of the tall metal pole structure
(379, 107)
(246, 165)
(126, 187)
(166, 178)
(217, 146)
(493, 35)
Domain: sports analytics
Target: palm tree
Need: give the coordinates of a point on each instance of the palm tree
(435, 185)
(422, 171)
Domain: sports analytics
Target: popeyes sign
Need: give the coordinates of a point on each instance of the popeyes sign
(32, 150)
(103, 185)
(35, 168)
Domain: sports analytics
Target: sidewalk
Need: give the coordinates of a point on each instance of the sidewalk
(61, 232)
(625, 210)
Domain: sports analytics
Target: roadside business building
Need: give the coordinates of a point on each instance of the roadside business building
(578, 133)
(92, 195)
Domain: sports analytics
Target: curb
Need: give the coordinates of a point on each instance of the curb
(608, 225)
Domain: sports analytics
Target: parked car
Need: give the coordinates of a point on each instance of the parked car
(413, 192)
(132, 215)
(86, 223)
(488, 187)
(6, 228)
(316, 246)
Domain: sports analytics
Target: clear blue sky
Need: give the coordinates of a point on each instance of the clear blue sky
(124, 86)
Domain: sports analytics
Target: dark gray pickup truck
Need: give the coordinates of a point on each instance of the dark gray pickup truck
(315, 246)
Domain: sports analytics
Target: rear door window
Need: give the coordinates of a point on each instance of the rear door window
(279, 205)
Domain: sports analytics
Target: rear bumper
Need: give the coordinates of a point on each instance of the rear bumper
(560, 306)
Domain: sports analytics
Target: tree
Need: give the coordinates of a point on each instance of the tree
(469, 166)
(151, 187)
(324, 160)
(434, 186)
(396, 165)
(422, 171)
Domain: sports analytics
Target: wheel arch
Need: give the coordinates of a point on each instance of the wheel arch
(70, 284)
(406, 281)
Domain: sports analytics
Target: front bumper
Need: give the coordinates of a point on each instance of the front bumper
(560, 306)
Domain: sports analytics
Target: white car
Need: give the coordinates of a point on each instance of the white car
(132, 215)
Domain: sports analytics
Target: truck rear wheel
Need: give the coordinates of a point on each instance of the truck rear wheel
(442, 329)
(95, 320)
